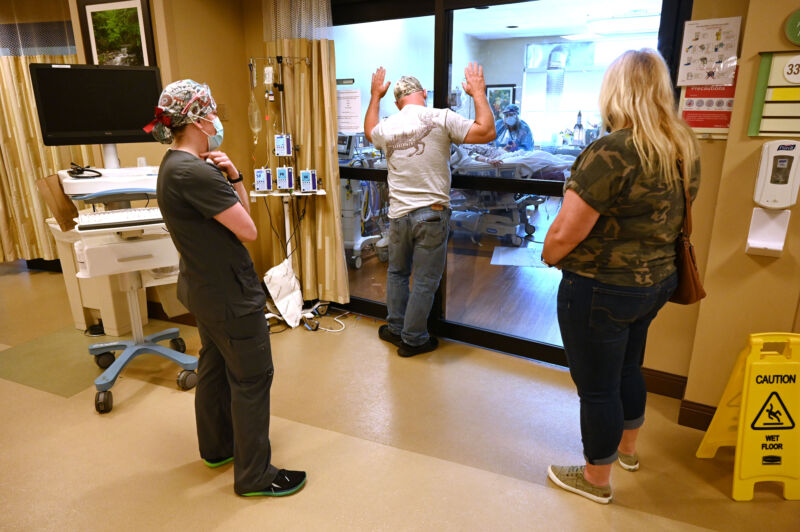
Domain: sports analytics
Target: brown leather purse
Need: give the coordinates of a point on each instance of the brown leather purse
(690, 289)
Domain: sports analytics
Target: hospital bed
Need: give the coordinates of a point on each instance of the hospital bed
(500, 214)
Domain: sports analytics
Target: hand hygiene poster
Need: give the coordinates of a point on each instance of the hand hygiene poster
(708, 55)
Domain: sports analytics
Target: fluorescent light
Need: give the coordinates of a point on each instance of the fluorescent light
(610, 26)
(582, 37)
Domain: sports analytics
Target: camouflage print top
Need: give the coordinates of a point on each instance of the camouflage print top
(633, 241)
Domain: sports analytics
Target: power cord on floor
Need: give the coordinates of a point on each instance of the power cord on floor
(338, 320)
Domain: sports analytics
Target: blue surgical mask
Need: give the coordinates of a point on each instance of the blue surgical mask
(510, 121)
(215, 141)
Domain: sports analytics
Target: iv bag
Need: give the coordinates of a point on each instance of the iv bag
(254, 115)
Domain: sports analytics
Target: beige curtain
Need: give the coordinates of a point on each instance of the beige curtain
(24, 159)
(310, 113)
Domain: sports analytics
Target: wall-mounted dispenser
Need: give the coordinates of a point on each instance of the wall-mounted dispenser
(776, 190)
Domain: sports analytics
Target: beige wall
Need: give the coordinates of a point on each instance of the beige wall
(22, 11)
(202, 40)
(747, 294)
(672, 334)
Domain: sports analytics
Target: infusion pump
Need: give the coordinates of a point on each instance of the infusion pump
(778, 174)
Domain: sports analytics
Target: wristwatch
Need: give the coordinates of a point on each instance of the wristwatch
(237, 180)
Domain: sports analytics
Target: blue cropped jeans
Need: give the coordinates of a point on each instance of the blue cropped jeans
(418, 244)
(604, 329)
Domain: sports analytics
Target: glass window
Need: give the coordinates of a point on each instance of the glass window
(548, 57)
(495, 277)
(365, 230)
(402, 47)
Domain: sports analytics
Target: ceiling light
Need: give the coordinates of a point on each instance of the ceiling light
(582, 37)
(614, 25)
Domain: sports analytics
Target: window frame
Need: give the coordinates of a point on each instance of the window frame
(674, 13)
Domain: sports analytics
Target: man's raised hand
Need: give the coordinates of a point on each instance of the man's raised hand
(379, 88)
(474, 84)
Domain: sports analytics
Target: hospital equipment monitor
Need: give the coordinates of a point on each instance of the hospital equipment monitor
(263, 179)
(348, 146)
(308, 181)
(91, 104)
(285, 178)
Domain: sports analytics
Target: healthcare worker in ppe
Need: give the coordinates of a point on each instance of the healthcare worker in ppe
(207, 212)
(512, 133)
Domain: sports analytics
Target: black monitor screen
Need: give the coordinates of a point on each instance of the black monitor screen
(88, 104)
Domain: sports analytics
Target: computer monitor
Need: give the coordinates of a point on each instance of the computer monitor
(91, 104)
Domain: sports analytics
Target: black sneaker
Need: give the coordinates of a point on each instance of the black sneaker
(385, 334)
(286, 483)
(406, 350)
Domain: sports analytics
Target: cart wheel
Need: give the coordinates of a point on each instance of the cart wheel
(529, 229)
(103, 402)
(311, 324)
(357, 262)
(516, 240)
(322, 310)
(104, 360)
(178, 344)
(187, 379)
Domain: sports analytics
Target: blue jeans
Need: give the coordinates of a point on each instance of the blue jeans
(604, 329)
(418, 243)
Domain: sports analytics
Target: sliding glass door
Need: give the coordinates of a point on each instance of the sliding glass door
(543, 62)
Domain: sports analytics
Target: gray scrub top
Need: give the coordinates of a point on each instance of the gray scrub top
(217, 278)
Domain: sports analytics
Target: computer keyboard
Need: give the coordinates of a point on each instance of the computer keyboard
(119, 218)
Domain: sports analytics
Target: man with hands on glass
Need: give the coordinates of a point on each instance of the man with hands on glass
(205, 207)
(417, 144)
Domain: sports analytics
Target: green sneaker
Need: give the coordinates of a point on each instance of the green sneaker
(571, 479)
(629, 462)
(217, 463)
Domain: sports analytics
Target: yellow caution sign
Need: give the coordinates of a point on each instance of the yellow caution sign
(758, 413)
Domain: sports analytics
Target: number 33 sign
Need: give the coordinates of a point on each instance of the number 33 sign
(792, 70)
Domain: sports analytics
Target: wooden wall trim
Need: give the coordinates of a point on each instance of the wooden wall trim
(664, 383)
(695, 415)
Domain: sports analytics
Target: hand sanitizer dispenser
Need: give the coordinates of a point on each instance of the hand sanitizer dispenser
(776, 190)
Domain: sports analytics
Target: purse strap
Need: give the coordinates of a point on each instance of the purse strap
(687, 218)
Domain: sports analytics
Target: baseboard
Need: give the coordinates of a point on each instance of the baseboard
(695, 415)
(45, 265)
(156, 311)
(664, 383)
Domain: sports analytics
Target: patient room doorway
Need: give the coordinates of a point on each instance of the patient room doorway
(543, 64)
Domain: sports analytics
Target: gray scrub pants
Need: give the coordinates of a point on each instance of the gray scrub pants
(232, 398)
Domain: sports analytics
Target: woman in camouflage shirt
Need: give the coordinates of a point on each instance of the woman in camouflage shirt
(614, 239)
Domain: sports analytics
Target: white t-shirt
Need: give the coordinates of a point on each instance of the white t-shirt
(417, 145)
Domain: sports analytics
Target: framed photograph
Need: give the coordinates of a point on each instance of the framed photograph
(117, 33)
(499, 96)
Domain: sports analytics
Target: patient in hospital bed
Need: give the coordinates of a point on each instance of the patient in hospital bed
(534, 164)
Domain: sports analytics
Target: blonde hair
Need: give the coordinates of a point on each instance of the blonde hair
(637, 93)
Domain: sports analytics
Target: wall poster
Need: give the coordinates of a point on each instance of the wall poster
(708, 54)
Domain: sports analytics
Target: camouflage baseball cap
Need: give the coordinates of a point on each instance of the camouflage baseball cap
(181, 102)
(406, 85)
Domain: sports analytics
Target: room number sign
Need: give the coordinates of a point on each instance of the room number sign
(792, 70)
